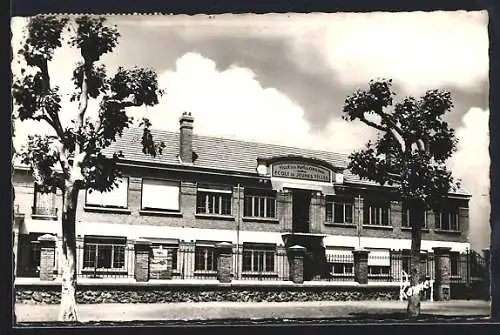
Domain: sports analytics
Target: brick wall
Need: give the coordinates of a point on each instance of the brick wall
(187, 217)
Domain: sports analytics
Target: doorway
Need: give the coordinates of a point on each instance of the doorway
(300, 211)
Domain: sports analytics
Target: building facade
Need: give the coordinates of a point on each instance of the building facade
(260, 198)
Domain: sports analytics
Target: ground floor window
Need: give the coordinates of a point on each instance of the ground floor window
(104, 253)
(258, 258)
(340, 260)
(378, 270)
(205, 257)
(454, 263)
(172, 250)
(379, 262)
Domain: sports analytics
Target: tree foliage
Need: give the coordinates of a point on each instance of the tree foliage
(413, 144)
(84, 139)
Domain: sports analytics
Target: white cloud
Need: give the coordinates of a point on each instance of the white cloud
(233, 103)
(418, 50)
(471, 164)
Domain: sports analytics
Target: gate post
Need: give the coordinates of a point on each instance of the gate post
(442, 264)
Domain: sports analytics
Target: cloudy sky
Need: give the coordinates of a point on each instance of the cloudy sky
(283, 78)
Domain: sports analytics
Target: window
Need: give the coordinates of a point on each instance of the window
(44, 204)
(172, 250)
(376, 213)
(258, 258)
(259, 203)
(454, 261)
(447, 219)
(213, 201)
(379, 262)
(116, 198)
(341, 260)
(409, 215)
(340, 211)
(160, 195)
(205, 257)
(104, 253)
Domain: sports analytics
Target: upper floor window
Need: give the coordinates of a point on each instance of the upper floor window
(260, 203)
(116, 198)
(447, 219)
(160, 195)
(409, 216)
(214, 200)
(339, 211)
(44, 204)
(376, 212)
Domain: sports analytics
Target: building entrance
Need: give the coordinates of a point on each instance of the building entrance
(300, 211)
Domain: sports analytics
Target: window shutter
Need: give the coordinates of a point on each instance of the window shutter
(160, 194)
(379, 257)
(117, 197)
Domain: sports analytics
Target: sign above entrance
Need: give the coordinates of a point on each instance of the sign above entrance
(301, 170)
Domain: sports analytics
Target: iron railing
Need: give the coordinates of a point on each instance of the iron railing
(44, 211)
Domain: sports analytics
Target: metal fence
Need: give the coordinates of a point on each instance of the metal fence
(101, 260)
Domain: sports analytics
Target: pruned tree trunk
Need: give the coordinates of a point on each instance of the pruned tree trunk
(68, 287)
(413, 309)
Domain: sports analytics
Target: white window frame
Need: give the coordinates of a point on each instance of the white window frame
(217, 195)
(166, 182)
(207, 248)
(330, 206)
(379, 209)
(450, 212)
(255, 251)
(102, 243)
(255, 198)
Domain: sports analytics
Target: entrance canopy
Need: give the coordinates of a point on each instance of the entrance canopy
(279, 184)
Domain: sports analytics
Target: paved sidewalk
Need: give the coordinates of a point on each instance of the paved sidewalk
(248, 311)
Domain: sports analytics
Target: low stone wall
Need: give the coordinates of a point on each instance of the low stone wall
(94, 295)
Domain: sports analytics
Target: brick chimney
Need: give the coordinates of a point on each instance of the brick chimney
(186, 138)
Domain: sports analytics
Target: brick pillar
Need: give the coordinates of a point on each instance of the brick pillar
(47, 256)
(487, 279)
(442, 273)
(224, 262)
(361, 265)
(285, 210)
(142, 251)
(296, 253)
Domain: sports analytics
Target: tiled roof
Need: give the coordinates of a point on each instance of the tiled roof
(225, 154)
